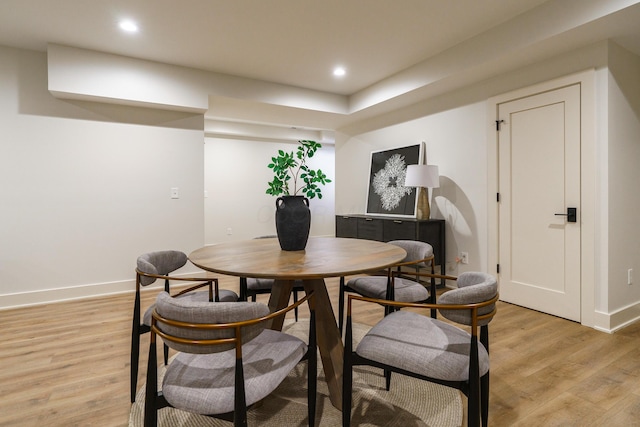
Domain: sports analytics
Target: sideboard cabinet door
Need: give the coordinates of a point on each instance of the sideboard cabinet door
(433, 232)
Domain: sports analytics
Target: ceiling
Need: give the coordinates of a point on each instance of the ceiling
(298, 43)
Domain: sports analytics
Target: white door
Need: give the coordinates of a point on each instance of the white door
(538, 180)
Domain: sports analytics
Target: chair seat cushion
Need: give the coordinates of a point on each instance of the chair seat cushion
(376, 287)
(201, 296)
(204, 383)
(422, 345)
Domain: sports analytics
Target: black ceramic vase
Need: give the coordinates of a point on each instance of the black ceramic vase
(293, 221)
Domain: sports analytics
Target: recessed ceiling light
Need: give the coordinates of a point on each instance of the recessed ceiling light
(339, 71)
(129, 26)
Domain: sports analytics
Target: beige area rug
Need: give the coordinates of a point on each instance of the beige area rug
(410, 402)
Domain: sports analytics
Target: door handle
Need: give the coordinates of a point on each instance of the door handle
(572, 214)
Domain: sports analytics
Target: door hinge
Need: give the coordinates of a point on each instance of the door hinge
(498, 197)
(498, 123)
(497, 268)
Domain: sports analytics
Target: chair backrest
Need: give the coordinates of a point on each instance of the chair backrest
(416, 251)
(201, 320)
(473, 288)
(159, 263)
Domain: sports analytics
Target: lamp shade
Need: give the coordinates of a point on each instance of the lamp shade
(422, 176)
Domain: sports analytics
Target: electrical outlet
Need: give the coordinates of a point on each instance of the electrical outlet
(629, 276)
(464, 257)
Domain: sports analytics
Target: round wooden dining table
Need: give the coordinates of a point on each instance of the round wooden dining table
(323, 257)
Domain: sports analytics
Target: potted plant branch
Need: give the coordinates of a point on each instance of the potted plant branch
(290, 168)
(292, 175)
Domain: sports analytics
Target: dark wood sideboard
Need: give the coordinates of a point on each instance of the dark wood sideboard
(385, 229)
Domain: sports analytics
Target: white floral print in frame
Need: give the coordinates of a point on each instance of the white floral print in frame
(387, 194)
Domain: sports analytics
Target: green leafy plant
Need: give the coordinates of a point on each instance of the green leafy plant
(292, 169)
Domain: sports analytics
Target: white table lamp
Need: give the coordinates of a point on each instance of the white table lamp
(422, 177)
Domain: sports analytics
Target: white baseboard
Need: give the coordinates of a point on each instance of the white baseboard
(612, 322)
(46, 296)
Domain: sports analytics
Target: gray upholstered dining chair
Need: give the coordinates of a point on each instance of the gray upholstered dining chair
(158, 265)
(228, 358)
(250, 287)
(420, 346)
(399, 287)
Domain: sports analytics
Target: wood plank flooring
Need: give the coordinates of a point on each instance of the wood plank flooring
(67, 364)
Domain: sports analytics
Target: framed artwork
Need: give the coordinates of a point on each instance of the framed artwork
(387, 194)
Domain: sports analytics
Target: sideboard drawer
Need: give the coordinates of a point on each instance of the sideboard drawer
(370, 229)
(397, 229)
(346, 226)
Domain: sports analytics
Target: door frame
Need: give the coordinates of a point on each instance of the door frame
(588, 182)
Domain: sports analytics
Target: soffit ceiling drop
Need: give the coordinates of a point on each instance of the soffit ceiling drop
(391, 51)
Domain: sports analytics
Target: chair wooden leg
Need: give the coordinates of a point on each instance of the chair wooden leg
(150, 402)
(135, 347)
(484, 399)
(243, 289)
(341, 305)
(312, 372)
(390, 295)
(432, 291)
(240, 404)
(347, 376)
(473, 398)
(484, 381)
(295, 300)
(166, 354)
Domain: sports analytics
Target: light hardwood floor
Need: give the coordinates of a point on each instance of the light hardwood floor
(67, 364)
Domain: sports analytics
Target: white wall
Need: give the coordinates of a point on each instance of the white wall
(85, 187)
(456, 126)
(624, 177)
(236, 176)
(455, 141)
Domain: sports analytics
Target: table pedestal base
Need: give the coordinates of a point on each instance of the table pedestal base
(328, 335)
